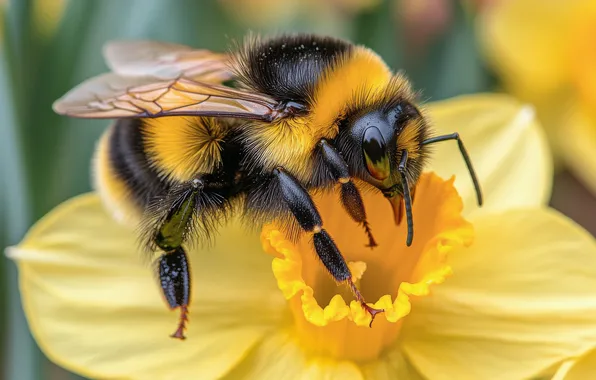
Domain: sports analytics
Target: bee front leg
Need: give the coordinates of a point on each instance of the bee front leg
(173, 268)
(307, 215)
(350, 196)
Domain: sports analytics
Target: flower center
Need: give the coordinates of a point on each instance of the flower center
(328, 320)
(583, 54)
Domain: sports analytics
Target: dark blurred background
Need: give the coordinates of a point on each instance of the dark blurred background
(48, 46)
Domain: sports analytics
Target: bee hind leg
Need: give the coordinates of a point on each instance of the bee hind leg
(309, 219)
(174, 278)
(173, 268)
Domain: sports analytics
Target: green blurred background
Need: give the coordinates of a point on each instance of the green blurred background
(48, 46)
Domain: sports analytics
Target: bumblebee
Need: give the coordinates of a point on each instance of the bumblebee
(200, 135)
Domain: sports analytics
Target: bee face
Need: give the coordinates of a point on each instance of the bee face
(374, 142)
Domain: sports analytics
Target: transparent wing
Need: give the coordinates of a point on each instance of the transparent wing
(113, 95)
(166, 61)
(152, 79)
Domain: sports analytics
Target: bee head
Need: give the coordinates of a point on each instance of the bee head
(373, 143)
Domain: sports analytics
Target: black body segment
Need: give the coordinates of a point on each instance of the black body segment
(334, 162)
(298, 201)
(307, 215)
(131, 164)
(353, 204)
(174, 277)
(175, 281)
(324, 245)
(287, 67)
(466, 157)
(350, 196)
(330, 256)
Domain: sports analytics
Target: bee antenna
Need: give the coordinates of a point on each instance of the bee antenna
(466, 157)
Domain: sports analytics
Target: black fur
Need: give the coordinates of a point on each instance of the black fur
(174, 275)
(131, 164)
(330, 256)
(287, 67)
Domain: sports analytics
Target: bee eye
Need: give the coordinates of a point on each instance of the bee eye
(375, 153)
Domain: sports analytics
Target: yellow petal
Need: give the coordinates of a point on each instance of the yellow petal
(578, 145)
(520, 300)
(527, 42)
(506, 145)
(280, 357)
(95, 307)
(391, 365)
(581, 369)
(329, 321)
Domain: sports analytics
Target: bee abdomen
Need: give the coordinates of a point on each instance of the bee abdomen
(124, 176)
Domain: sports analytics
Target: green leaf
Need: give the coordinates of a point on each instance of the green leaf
(378, 29)
(452, 65)
(23, 358)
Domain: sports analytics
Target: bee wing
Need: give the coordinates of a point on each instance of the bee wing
(114, 95)
(166, 61)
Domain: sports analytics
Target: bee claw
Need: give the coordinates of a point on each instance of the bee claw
(372, 311)
(179, 333)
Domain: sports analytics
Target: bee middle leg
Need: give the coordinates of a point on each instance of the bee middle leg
(304, 210)
(173, 268)
(350, 196)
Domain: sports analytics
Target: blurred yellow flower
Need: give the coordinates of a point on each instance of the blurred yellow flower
(581, 368)
(47, 15)
(272, 13)
(545, 52)
(521, 299)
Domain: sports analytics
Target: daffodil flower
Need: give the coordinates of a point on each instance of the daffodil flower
(507, 291)
(545, 53)
(272, 13)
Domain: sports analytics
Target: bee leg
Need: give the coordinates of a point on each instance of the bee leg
(174, 277)
(307, 215)
(174, 271)
(350, 196)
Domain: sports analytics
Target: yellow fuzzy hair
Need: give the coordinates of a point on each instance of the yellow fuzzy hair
(360, 74)
(409, 138)
(181, 147)
(359, 78)
(112, 190)
(287, 143)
